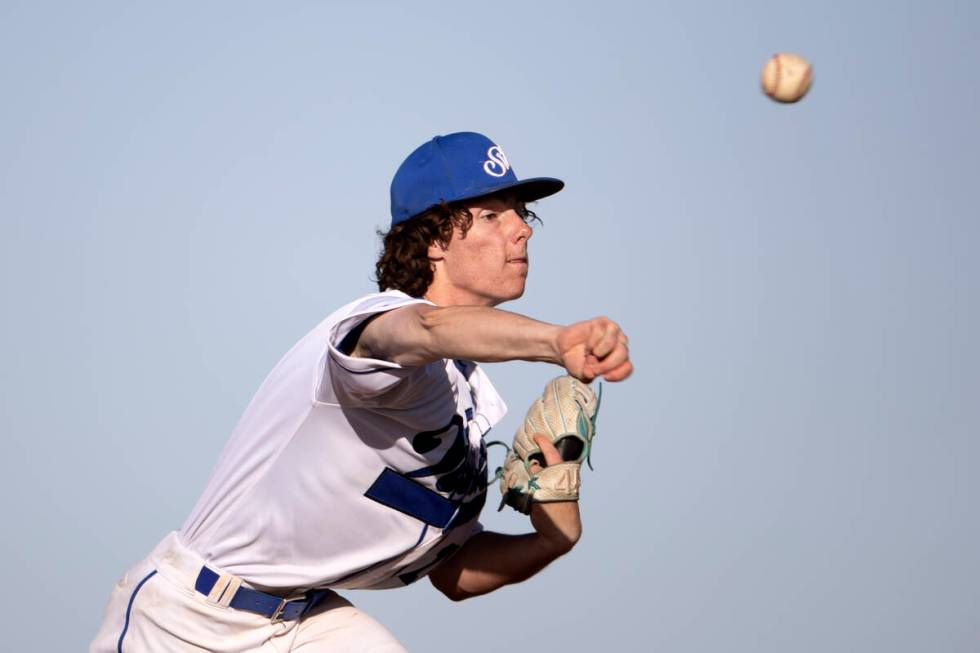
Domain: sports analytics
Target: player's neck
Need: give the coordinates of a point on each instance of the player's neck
(444, 294)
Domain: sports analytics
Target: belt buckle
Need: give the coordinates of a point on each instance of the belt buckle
(275, 615)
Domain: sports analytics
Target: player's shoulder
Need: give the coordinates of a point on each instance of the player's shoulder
(369, 301)
(382, 301)
(371, 304)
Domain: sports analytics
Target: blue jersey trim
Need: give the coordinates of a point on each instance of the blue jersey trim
(129, 609)
(370, 371)
(412, 498)
(425, 529)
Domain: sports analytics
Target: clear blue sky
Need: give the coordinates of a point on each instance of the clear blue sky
(187, 188)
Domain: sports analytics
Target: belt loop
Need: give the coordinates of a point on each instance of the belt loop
(224, 589)
(219, 587)
(234, 582)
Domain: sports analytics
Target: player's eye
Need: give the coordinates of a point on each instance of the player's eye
(489, 216)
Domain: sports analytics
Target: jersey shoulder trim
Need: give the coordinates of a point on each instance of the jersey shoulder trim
(358, 377)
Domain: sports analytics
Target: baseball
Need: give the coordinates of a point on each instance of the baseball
(786, 77)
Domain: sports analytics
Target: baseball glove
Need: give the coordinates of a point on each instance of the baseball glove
(566, 414)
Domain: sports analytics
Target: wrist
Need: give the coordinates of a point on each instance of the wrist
(557, 526)
(551, 352)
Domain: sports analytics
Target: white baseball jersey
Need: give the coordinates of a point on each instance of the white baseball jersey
(349, 472)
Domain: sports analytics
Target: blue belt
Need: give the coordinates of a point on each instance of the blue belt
(267, 605)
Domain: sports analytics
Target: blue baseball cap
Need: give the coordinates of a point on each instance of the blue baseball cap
(457, 167)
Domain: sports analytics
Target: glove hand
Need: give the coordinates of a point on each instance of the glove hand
(558, 523)
(596, 347)
(565, 415)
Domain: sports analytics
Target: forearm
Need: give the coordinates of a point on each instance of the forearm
(416, 336)
(489, 335)
(488, 561)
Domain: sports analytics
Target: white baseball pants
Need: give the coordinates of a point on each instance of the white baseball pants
(155, 608)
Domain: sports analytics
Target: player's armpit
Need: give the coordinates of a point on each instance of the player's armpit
(351, 340)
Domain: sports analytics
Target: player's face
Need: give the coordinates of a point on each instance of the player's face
(489, 264)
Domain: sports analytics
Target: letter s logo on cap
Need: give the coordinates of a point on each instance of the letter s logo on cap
(497, 166)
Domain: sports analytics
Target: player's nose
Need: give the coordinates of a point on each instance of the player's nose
(523, 231)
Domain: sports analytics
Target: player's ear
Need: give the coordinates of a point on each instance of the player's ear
(436, 251)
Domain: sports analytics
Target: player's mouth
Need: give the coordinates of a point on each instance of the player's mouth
(520, 260)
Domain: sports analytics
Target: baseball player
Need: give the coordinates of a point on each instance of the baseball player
(360, 462)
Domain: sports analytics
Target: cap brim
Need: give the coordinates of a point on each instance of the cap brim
(528, 190)
(537, 188)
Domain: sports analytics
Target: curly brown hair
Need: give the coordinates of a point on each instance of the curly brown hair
(404, 261)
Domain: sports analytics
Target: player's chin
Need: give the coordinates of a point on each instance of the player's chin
(500, 298)
(513, 290)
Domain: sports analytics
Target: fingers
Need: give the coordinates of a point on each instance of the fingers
(609, 357)
(589, 369)
(551, 455)
(620, 373)
(617, 358)
(603, 336)
(593, 348)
